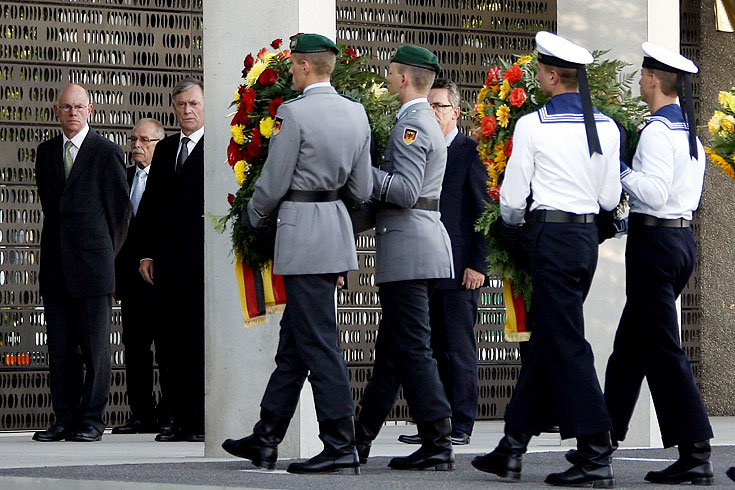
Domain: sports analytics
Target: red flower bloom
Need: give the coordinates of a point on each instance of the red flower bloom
(268, 77)
(494, 192)
(253, 148)
(508, 147)
(248, 99)
(276, 43)
(249, 61)
(513, 74)
(230, 198)
(241, 117)
(517, 97)
(234, 153)
(493, 76)
(274, 105)
(351, 53)
(488, 124)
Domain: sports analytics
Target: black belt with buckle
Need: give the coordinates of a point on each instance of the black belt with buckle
(311, 196)
(648, 220)
(553, 216)
(423, 203)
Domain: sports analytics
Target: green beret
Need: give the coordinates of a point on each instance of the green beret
(417, 56)
(312, 43)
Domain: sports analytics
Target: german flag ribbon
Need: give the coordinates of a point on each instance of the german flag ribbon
(261, 292)
(515, 315)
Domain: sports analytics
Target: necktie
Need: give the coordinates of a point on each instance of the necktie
(138, 189)
(68, 160)
(183, 153)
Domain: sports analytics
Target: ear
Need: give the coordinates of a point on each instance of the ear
(456, 112)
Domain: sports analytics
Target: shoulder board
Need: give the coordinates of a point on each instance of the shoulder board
(297, 98)
(673, 126)
(349, 98)
(545, 117)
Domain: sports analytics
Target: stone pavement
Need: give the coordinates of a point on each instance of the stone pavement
(137, 463)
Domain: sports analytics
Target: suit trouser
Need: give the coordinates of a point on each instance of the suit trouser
(141, 328)
(453, 313)
(78, 332)
(182, 344)
(658, 263)
(309, 345)
(563, 261)
(403, 355)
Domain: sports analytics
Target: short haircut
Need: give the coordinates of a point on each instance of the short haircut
(160, 132)
(421, 78)
(454, 97)
(668, 81)
(185, 84)
(567, 76)
(322, 62)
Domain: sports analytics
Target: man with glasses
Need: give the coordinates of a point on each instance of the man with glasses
(84, 197)
(453, 304)
(140, 303)
(170, 230)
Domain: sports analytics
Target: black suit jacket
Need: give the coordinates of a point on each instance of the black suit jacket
(85, 217)
(170, 222)
(463, 199)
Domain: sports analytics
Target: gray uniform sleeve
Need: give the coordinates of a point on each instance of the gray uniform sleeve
(402, 186)
(360, 182)
(275, 179)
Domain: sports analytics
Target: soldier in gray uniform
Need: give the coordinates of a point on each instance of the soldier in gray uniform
(413, 251)
(320, 144)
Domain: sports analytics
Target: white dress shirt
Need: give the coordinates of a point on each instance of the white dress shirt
(449, 138)
(193, 140)
(551, 159)
(664, 180)
(76, 141)
(315, 85)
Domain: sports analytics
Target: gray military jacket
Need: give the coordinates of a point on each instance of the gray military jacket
(411, 243)
(321, 141)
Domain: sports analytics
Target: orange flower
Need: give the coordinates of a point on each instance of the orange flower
(517, 97)
(513, 74)
(488, 124)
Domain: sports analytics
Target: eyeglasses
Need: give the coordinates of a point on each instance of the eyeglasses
(135, 139)
(76, 107)
(438, 107)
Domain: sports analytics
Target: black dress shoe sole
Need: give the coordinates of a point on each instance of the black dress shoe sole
(607, 483)
(266, 465)
(410, 439)
(456, 441)
(503, 474)
(353, 470)
(704, 480)
(50, 439)
(429, 467)
(79, 438)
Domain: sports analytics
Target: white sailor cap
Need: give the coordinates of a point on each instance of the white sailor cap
(659, 58)
(556, 51)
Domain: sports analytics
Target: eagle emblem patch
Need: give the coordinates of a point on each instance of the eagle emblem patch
(277, 125)
(409, 136)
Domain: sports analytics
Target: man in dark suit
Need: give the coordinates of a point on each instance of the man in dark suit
(453, 304)
(81, 183)
(140, 303)
(170, 231)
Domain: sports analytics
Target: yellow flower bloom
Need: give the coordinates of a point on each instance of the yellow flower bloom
(722, 98)
(523, 60)
(728, 124)
(238, 133)
(266, 127)
(481, 109)
(502, 115)
(504, 89)
(713, 125)
(495, 89)
(240, 172)
(482, 94)
(268, 57)
(378, 90)
(237, 97)
(255, 72)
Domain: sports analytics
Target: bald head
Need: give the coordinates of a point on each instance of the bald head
(73, 109)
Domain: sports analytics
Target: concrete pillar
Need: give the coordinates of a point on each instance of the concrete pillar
(605, 25)
(238, 362)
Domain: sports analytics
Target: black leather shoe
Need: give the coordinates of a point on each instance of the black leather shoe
(367, 427)
(693, 466)
(85, 433)
(136, 426)
(174, 435)
(54, 433)
(593, 467)
(435, 451)
(459, 438)
(410, 439)
(261, 447)
(196, 437)
(339, 454)
(571, 455)
(505, 460)
(731, 473)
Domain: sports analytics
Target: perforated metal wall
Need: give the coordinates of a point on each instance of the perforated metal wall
(466, 35)
(128, 54)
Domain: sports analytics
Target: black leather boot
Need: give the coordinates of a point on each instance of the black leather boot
(693, 466)
(505, 460)
(367, 427)
(731, 473)
(339, 454)
(261, 447)
(571, 455)
(593, 467)
(435, 451)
